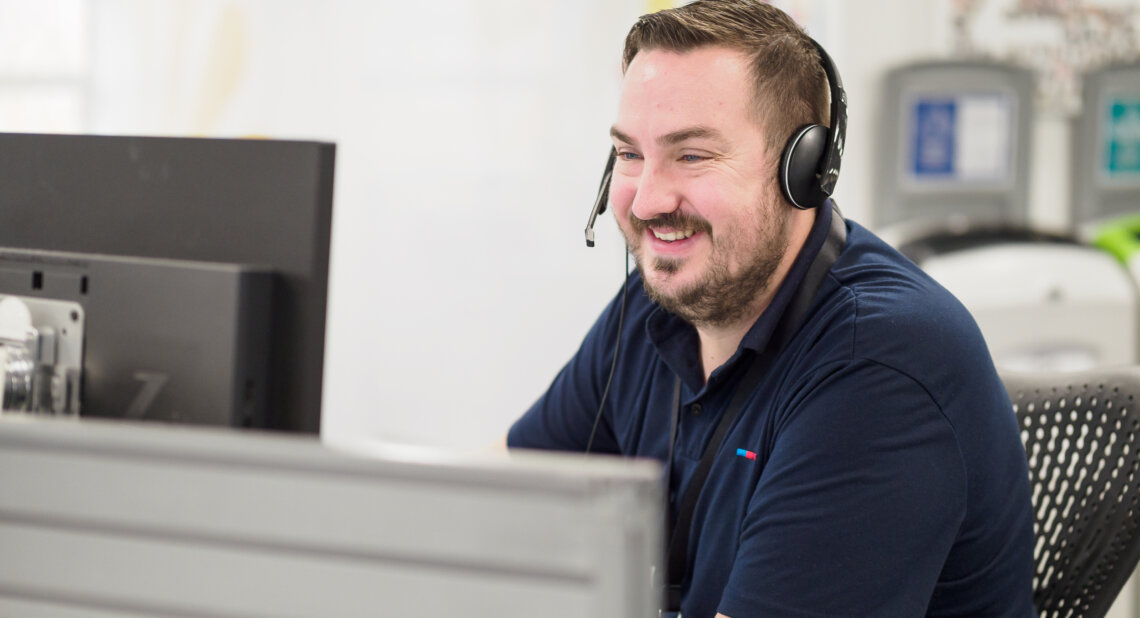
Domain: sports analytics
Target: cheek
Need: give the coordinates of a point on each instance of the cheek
(622, 192)
(711, 200)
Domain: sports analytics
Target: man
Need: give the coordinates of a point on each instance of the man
(871, 464)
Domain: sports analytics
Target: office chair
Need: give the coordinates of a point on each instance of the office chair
(1082, 438)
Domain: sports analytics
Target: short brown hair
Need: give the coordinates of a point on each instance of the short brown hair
(790, 87)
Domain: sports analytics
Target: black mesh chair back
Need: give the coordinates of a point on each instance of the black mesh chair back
(1080, 432)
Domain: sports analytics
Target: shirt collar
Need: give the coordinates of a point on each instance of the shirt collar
(677, 341)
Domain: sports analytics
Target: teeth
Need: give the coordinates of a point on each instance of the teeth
(674, 235)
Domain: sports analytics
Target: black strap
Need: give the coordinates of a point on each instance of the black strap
(673, 422)
(678, 551)
(679, 542)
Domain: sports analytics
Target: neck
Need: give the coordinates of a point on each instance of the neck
(720, 342)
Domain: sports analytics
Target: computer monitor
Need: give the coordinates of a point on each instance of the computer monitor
(208, 220)
(1106, 146)
(954, 147)
(111, 518)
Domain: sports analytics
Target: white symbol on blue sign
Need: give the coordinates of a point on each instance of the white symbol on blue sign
(934, 137)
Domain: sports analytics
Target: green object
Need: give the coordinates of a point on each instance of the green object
(1121, 237)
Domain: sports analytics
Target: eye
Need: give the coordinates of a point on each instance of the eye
(692, 158)
(628, 156)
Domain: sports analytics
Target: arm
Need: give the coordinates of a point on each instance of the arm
(857, 506)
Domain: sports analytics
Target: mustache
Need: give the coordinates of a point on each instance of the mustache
(674, 220)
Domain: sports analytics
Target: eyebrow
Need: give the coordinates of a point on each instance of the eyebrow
(674, 138)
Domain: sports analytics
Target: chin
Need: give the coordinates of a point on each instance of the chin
(667, 275)
(667, 284)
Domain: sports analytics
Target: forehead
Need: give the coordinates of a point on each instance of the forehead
(663, 91)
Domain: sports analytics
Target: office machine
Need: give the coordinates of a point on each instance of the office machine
(956, 139)
(111, 518)
(1043, 304)
(159, 278)
(1106, 147)
(1106, 163)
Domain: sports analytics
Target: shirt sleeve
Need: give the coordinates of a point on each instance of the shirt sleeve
(858, 505)
(564, 416)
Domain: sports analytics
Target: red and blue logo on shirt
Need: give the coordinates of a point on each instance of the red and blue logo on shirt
(745, 453)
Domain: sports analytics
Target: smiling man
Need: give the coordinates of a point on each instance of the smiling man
(836, 440)
(686, 133)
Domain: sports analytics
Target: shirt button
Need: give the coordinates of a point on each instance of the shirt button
(695, 409)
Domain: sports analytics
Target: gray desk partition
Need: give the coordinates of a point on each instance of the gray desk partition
(100, 518)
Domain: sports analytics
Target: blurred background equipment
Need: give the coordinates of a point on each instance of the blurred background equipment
(955, 140)
(1106, 162)
(954, 198)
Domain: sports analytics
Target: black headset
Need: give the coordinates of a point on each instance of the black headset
(809, 166)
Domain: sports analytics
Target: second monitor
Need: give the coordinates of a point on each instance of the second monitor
(255, 206)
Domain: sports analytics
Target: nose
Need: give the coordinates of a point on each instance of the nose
(656, 195)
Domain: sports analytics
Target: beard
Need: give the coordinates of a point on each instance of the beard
(722, 295)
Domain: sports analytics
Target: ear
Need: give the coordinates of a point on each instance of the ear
(799, 166)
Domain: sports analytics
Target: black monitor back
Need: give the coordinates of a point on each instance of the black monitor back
(258, 202)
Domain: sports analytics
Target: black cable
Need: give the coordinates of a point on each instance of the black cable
(613, 365)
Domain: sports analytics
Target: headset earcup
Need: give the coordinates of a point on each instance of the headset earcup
(799, 167)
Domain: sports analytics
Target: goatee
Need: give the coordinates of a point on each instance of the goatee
(722, 295)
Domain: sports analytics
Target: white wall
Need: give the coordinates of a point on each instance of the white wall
(471, 136)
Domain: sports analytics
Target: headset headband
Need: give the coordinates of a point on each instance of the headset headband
(837, 134)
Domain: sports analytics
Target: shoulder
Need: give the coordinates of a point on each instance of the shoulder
(877, 306)
(896, 313)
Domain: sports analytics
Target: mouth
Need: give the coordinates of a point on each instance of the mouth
(672, 235)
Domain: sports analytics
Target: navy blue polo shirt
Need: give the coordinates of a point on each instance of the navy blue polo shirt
(876, 470)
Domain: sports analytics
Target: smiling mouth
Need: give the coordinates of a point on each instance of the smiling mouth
(672, 236)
